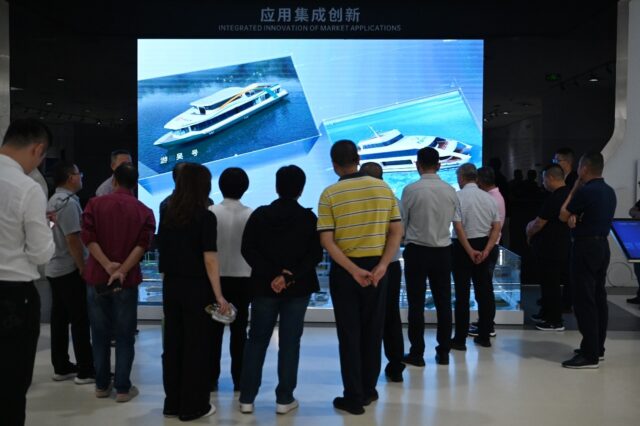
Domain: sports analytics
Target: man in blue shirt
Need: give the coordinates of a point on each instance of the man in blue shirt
(589, 210)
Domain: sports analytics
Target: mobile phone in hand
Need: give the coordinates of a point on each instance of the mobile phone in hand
(105, 289)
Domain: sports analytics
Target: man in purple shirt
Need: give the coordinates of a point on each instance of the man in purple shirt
(117, 229)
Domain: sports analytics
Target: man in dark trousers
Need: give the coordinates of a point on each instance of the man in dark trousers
(64, 273)
(476, 226)
(392, 339)
(25, 242)
(634, 212)
(360, 226)
(549, 238)
(428, 208)
(589, 211)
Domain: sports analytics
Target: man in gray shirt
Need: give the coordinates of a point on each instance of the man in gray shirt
(68, 290)
(119, 156)
(428, 207)
(476, 227)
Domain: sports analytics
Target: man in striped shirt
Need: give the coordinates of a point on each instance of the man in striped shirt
(360, 227)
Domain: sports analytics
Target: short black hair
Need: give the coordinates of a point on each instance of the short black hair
(126, 175)
(290, 181)
(555, 171)
(61, 172)
(487, 176)
(567, 153)
(468, 172)
(26, 131)
(372, 169)
(532, 174)
(345, 153)
(594, 162)
(115, 153)
(233, 183)
(428, 157)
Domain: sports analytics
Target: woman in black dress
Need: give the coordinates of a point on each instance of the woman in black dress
(188, 260)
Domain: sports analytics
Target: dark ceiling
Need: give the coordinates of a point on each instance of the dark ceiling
(75, 62)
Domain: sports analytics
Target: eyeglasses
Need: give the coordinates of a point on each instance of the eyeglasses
(78, 174)
(557, 160)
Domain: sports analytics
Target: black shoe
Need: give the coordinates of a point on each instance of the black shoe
(549, 326)
(537, 317)
(368, 400)
(394, 377)
(458, 346)
(442, 359)
(474, 327)
(580, 362)
(213, 387)
(567, 309)
(485, 343)
(634, 300)
(473, 331)
(341, 403)
(413, 360)
(579, 351)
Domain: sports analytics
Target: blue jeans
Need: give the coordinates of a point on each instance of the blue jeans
(264, 313)
(114, 314)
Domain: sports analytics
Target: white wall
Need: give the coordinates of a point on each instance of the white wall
(622, 152)
(4, 67)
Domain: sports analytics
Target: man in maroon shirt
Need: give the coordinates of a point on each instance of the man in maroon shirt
(117, 229)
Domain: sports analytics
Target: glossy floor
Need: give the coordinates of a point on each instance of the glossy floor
(518, 381)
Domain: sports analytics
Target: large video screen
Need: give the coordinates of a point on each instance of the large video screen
(263, 104)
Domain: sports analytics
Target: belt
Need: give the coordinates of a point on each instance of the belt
(588, 237)
(14, 283)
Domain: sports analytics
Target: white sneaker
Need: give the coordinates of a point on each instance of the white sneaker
(211, 411)
(246, 408)
(84, 380)
(63, 377)
(285, 408)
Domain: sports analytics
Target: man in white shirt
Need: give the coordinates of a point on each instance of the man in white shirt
(25, 243)
(119, 156)
(428, 207)
(235, 273)
(64, 273)
(487, 182)
(476, 229)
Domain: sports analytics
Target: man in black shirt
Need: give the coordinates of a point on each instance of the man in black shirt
(589, 211)
(565, 158)
(549, 238)
(634, 212)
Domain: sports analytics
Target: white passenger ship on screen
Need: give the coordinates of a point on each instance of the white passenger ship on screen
(218, 111)
(397, 153)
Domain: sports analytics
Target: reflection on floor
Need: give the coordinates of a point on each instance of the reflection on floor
(517, 381)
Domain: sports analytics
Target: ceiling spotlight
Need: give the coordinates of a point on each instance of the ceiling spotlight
(98, 122)
(122, 119)
(60, 79)
(593, 78)
(505, 112)
(48, 103)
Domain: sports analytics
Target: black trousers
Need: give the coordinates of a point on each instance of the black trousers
(188, 337)
(236, 290)
(589, 263)
(19, 332)
(359, 313)
(465, 271)
(69, 307)
(434, 263)
(392, 333)
(553, 273)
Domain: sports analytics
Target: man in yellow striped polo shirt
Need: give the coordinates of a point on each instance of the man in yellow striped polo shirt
(360, 227)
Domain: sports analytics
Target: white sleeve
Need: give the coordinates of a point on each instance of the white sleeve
(39, 245)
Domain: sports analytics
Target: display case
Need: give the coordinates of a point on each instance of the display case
(506, 282)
